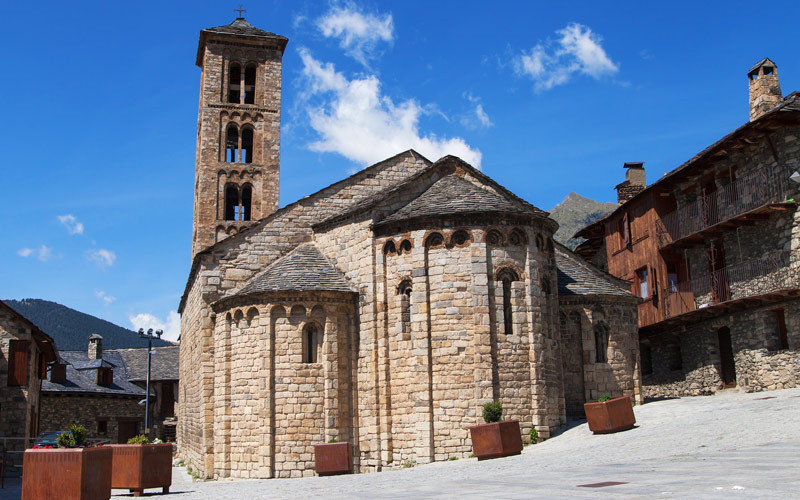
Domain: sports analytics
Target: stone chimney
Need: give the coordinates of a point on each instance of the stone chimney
(765, 90)
(95, 346)
(635, 181)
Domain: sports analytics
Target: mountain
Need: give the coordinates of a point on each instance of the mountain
(574, 213)
(71, 329)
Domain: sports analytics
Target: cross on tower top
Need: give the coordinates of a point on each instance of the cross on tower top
(240, 10)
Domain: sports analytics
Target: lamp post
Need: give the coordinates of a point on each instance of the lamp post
(149, 336)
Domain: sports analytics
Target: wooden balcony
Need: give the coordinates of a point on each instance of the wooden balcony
(750, 283)
(741, 202)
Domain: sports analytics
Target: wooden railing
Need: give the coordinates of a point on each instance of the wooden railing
(746, 279)
(742, 195)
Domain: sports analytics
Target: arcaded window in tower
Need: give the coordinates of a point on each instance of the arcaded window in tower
(234, 83)
(404, 291)
(231, 143)
(247, 198)
(601, 343)
(246, 152)
(231, 202)
(507, 276)
(312, 343)
(250, 84)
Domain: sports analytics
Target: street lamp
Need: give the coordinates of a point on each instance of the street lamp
(149, 336)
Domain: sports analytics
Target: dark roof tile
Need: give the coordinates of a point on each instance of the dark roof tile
(578, 277)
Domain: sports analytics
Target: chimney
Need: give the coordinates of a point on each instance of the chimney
(634, 183)
(95, 346)
(765, 90)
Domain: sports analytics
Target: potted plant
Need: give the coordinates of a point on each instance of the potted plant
(609, 414)
(333, 458)
(495, 439)
(140, 465)
(69, 471)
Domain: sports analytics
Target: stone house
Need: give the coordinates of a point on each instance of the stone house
(383, 310)
(25, 351)
(103, 391)
(713, 249)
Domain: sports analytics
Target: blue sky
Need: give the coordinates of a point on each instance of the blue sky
(100, 106)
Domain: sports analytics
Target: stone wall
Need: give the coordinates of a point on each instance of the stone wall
(17, 403)
(60, 411)
(759, 362)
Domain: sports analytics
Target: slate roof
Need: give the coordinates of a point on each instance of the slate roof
(81, 376)
(452, 195)
(302, 269)
(240, 26)
(578, 277)
(163, 363)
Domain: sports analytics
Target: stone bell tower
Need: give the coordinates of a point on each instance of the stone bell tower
(238, 130)
(765, 90)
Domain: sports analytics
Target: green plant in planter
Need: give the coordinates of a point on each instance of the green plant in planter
(74, 438)
(492, 412)
(140, 439)
(603, 398)
(333, 440)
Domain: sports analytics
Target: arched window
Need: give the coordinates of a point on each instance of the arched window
(507, 276)
(459, 238)
(312, 342)
(231, 143)
(246, 152)
(247, 197)
(434, 240)
(493, 237)
(389, 248)
(517, 237)
(404, 291)
(601, 343)
(405, 246)
(231, 202)
(539, 242)
(234, 83)
(250, 84)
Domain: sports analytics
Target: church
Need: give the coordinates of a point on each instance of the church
(383, 310)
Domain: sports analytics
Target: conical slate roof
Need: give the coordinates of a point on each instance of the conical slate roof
(240, 26)
(302, 269)
(452, 195)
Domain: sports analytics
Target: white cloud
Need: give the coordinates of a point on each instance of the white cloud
(358, 33)
(578, 50)
(171, 325)
(71, 223)
(354, 120)
(43, 253)
(107, 299)
(102, 257)
(477, 117)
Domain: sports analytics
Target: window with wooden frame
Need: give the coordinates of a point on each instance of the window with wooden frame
(105, 376)
(780, 333)
(18, 356)
(623, 231)
(601, 343)
(640, 285)
(312, 342)
(102, 426)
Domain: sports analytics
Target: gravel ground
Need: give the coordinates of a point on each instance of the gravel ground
(729, 445)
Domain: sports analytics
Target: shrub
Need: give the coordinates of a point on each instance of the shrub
(534, 435)
(73, 438)
(333, 440)
(492, 412)
(603, 398)
(140, 439)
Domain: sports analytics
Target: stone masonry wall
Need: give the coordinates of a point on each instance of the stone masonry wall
(59, 412)
(17, 404)
(759, 364)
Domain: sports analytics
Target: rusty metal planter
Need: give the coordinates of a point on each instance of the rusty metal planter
(498, 439)
(610, 416)
(333, 458)
(137, 467)
(67, 474)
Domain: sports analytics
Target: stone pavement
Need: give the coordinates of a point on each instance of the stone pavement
(732, 445)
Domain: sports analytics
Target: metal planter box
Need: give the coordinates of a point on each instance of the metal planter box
(610, 416)
(333, 458)
(137, 467)
(67, 474)
(499, 439)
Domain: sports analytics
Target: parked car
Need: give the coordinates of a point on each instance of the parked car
(47, 438)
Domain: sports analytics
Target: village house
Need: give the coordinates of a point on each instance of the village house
(25, 351)
(104, 391)
(382, 310)
(713, 250)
